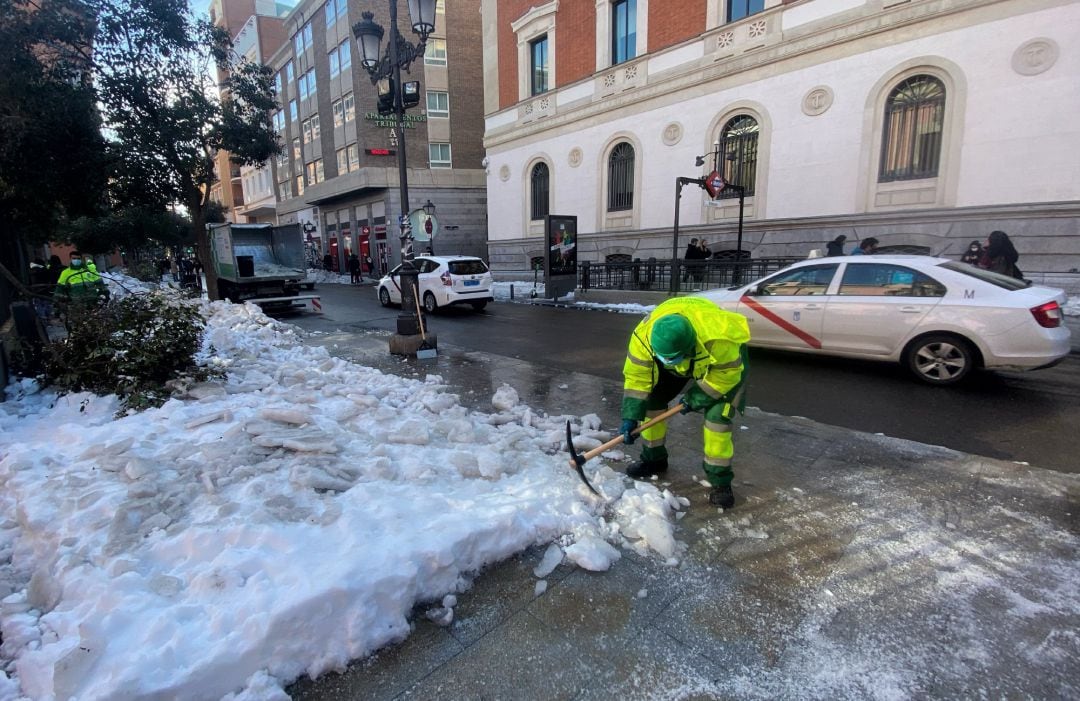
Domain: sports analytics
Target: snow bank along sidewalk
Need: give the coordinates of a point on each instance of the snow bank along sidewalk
(279, 522)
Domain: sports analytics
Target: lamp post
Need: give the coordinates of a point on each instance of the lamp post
(400, 53)
(737, 273)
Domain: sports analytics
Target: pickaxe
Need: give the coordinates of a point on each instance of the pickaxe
(578, 461)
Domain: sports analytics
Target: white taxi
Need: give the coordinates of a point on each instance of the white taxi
(444, 280)
(938, 317)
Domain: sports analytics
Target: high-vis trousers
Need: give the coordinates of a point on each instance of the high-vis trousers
(717, 430)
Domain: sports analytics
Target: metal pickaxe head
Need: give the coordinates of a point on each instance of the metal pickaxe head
(578, 461)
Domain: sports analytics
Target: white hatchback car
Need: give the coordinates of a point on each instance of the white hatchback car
(444, 280)
(939, 317)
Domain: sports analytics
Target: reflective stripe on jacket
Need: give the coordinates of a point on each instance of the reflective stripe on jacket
(716, 365)
(79, 284)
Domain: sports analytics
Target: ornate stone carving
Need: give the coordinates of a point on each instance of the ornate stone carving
(575, 157)
(756, 29)
(528, 108)
(672, 134)
(544, 104)
(817, 101)
(631, 72)
(725, 40)
(609, 80)
(504, 173)
(1035, 56)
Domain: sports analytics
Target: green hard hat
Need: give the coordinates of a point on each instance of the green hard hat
(672, 335)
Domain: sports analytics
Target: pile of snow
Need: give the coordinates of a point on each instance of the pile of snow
(324, 277)
(621, 308)
(121, 284)
(523, 290)
(1072, 306)
(280, 522)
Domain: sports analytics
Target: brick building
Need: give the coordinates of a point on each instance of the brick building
(338, 176)
(257, 28)
(924, 123)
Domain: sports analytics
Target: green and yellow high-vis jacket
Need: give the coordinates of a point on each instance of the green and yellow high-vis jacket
(716, 365)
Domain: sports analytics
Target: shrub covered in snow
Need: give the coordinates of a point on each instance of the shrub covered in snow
(131, 347)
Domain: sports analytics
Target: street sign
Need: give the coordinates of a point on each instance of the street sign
(714, 184)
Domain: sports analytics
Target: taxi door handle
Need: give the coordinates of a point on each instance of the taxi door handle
(910, 309)
(812, 306)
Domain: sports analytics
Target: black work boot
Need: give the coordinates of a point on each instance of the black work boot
(645, 469)
(722, 497)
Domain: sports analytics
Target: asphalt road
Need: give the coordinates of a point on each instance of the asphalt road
(1031, 417)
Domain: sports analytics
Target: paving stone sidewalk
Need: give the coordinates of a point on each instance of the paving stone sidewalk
(854, 566)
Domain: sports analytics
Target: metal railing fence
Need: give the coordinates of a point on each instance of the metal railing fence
(691, 276)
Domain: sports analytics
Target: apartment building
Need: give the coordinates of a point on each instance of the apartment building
(257, 28)
(338, 175)
(924, 123)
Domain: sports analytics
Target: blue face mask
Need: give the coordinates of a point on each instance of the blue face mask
(670, 360)
(76, 262)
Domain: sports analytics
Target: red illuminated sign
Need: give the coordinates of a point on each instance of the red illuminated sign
(381, 151)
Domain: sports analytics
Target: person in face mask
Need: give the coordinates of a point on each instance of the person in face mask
(973, 254)
(686, 341)
(80, 284)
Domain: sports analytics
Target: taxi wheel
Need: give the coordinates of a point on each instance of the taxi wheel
(940, 359)
(384, 297)
(430, 305)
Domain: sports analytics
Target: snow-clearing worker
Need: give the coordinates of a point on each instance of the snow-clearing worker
(80, 283)
(686, 340)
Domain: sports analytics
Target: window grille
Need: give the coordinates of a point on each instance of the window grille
(621, 178)
(739, 148)
(539, 180)
(911, 138)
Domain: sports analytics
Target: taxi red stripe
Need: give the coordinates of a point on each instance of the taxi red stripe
(782, 323)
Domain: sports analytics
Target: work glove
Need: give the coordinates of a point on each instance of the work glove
(695, 399)
(627, 430)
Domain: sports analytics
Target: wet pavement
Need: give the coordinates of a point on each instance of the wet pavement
(853, 566)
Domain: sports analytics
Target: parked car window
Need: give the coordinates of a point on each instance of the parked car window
(996, 279)
(811, 280)
(879, 279)
(426, 265)
(468, 267)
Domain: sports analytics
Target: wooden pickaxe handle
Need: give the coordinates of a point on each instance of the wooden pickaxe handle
(588, 455)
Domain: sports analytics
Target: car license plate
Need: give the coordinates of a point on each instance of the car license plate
(472, 283)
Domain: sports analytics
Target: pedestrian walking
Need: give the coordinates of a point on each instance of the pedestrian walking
(1000, 256)
(691, 255)
(354, 270)
(704, 254)
(973, 254)
(867, 246)
(328, 262)
(370, 265)
(836, 246)
(80, 285)
(686, 340)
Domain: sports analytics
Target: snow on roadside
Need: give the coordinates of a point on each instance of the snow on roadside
(1072, 306)
(324, 277)
(280, 522)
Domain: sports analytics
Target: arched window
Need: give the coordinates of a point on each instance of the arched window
(738, 147)
(621, 178)
(538, 187)
(911, 140)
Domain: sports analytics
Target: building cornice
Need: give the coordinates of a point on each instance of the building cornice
(825, 40)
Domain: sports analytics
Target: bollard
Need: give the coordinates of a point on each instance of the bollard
(511, 292)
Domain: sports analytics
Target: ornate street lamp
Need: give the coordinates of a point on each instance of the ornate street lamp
(399, 54)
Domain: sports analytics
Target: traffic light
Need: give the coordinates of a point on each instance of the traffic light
(385, 90)
(410, 97)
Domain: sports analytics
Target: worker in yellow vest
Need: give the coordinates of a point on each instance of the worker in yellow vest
(687, 340)
(80, 283)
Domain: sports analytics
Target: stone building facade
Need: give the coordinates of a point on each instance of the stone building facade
(338, 175)
(924, 123)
